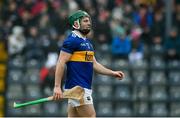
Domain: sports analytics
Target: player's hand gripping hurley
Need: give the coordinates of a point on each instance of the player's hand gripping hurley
(76, 92)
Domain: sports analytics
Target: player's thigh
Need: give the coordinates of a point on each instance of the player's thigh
(72, 111)
(86, 110)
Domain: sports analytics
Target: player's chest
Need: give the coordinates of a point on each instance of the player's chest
(85, 46)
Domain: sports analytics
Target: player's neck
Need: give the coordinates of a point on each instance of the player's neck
(79, 34)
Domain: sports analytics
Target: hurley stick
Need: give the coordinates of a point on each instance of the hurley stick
(76, 92)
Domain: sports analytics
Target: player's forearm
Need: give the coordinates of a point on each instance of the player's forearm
(59, 74)
(102, 70)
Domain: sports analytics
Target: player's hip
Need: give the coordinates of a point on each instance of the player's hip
(86, 99)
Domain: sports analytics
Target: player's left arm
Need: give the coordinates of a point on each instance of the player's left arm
(105, 71)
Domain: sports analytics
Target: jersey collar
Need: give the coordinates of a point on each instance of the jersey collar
(78, 34)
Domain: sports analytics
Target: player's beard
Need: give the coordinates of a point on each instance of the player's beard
(84, 31)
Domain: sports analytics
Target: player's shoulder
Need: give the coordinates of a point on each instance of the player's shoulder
(71, 37)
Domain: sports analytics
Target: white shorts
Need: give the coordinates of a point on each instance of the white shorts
(87, 99)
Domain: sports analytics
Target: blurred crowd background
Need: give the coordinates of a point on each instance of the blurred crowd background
(140, 37)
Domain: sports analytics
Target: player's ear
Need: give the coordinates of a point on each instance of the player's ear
(76, 24)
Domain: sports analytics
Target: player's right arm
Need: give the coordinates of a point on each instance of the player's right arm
(66, 52)
(63, 59)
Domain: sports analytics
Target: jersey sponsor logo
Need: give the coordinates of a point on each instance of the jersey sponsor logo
(73, 35)
(86, 45)
(83, 44)
(88, 57)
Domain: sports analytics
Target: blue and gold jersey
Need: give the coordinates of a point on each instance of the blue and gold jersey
(80, 65)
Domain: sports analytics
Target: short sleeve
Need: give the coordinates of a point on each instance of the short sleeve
(68, 46)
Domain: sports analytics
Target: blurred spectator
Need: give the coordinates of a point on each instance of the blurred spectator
(87, 4)
(54, 44)
(128, 16)
(47, 73)
(7, 28)
(102, 28)
(146, 2)
(35, 8)
(47, 83)
(122, 16)
(137, 50)
(30, 11)
(117, 12)
(40, 7)
(102, 4)
(157, 40)
(11, 13)
(72, 5)
(59, 21)
(128, 10)
(48, 35)
(16, 41)
(176, 19)
(116, 28)
(172, 46)
(44, 24)
(157, 32)
(121, 46)
(157, 44)
(34, 48)
(26, 21)
(143, 18)
(158, 26)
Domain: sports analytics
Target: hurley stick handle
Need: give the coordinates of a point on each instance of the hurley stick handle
(75, 93)
(16, 105)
